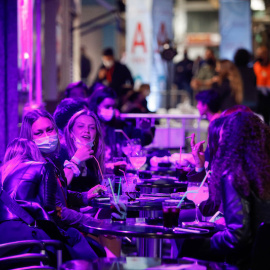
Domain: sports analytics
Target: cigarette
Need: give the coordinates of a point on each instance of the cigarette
(190, 137)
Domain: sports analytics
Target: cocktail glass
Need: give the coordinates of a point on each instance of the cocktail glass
(198, 194)
(137, 159)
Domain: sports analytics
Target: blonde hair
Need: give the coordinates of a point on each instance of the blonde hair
(18, 151)
(98, 143)
(230, 71)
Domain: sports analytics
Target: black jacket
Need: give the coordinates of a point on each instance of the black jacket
(243, 215)
(120, 76)
(33, 185)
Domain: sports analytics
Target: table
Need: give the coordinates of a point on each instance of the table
(136, 227)
(165, 184)
(140, 263)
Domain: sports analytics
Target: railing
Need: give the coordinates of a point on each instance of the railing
(168, 131)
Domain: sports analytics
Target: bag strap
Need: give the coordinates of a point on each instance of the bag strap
(15, 208)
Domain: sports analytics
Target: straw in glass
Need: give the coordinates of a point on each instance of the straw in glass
(112, 189)
(121, 131)
(119, 186)
(203, 181)
(184, 196)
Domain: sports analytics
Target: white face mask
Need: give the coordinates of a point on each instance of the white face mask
(108, 64)
(79, 144)
(106, 114)
(47, 144)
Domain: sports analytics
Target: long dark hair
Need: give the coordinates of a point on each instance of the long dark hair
(214, 136)
(244, 153)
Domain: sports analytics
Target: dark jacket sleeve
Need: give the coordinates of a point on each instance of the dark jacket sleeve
(77, 199)
(49, 187)
(237, 235)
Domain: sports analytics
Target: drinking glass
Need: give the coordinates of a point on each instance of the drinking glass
(200, 194)
(170, 213)
(137, 159)
(119, 163)
(119, 207)
(105, 182)
(129, 187)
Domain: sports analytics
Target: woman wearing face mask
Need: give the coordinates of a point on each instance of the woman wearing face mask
(40, 127)
(102, 102)
(84, 131)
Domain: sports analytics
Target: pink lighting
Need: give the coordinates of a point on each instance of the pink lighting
(25, 46)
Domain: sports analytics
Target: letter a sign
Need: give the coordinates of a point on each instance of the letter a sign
(138, 40)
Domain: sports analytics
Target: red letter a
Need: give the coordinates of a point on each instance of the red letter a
(138, 38)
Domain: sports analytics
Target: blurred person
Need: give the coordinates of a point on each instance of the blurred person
(242, 58)
(86, 66)
(183, 74)
(236, 108)
(206, 72)
(262, 70)
(76, 90)
(65, 110)
(39, 126)
(240, 178)
(228, 83)
(115, 75)
(136, 100)
(103, 103)
(208, 104)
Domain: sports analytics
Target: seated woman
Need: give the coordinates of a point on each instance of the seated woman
(32, 184)
(40, 127)
(241, 178)
(84, 131)
(103, 103)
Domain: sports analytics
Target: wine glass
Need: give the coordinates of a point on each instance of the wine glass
(198, 194)
(137, 159)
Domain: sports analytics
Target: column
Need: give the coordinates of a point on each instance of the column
(8, 74)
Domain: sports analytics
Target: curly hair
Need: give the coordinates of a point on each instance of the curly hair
(244, 153)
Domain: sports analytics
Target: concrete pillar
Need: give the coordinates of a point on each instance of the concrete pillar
(49, 62)
(8, 74)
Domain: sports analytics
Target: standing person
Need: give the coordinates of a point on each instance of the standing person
(228, 83)
(240, 178)
(114, 74)
(250, 93)
(76, 90)
(40, 127)
(84, 129)
(262, 70)
(206, 72)
(86, 66)
(183, 74)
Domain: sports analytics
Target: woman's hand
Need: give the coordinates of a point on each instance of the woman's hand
(84, 153)
(197, 152)
(93, 192)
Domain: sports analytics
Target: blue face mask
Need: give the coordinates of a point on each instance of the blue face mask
(79, 144)
(47, 144)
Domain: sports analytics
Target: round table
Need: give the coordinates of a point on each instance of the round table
(137, 227)
(140, 263)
